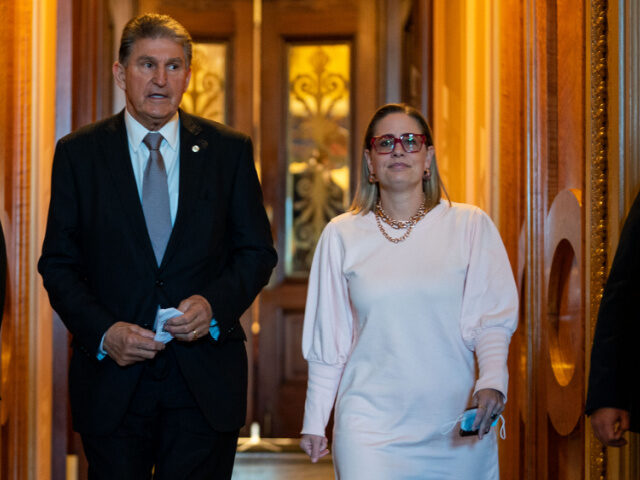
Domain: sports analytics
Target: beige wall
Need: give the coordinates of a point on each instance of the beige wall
(465, 99)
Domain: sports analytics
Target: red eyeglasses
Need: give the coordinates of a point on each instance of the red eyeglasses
(411, 142)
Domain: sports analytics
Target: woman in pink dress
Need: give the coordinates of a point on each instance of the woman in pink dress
(406, 293)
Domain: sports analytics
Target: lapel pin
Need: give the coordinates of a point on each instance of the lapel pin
(195, 149)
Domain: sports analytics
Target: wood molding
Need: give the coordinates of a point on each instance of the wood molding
(511, 217)
(16, 128)
(598, 193)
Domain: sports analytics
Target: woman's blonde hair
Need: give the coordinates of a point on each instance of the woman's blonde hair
(367, 193)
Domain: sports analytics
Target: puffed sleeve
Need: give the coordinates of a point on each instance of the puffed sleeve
(328, 330)
(489, 304)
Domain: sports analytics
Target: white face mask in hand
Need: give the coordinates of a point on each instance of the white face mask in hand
(466, 420)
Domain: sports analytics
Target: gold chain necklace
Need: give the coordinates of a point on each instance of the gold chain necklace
(398, 225)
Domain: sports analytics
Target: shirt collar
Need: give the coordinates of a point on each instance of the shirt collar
(136, 132)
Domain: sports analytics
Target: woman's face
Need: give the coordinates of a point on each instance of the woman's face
(399, 171)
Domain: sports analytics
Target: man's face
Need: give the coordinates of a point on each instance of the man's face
(154, 80)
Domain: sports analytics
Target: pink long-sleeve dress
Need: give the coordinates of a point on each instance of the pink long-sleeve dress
(390, 332)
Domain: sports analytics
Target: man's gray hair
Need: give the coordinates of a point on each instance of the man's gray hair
(153, 25)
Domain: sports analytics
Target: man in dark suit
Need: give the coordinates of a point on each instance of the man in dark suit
(150, 209)
(613, 398)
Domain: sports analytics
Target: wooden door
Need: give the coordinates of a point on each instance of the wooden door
(545, 227)
(559, 153)
(558, 273)
(305, 32)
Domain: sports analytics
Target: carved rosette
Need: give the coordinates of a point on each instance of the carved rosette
(598, 189)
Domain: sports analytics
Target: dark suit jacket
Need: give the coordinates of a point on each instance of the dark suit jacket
(614, 379)
(98, 265)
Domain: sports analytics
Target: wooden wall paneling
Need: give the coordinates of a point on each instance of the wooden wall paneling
(564, 237)
(535, 132)
(561, 291)
(465, 120)
(417, 46)
(92, 60)
(425, 16)
(61, 432)
(511, 212)
(555, 52)
(43, 139)
(15, 138)
(448, 102)
(399, 31)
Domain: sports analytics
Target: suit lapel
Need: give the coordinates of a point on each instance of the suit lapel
(193, 151)
(118, 162)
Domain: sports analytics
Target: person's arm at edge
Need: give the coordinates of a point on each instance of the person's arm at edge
(608, 391)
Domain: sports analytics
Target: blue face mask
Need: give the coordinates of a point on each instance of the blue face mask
(469, 416)
(466, 420)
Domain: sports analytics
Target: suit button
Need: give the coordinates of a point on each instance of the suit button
(159, 283)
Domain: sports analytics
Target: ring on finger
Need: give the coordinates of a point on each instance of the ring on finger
(195, 334)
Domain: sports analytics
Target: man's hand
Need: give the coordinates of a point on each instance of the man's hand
(315, 446)
(490, 404)
(609, 424)
(127, 343)
(194, 322)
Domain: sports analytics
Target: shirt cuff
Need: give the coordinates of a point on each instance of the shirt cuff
(322, 387)
(101, 351)
(214, 329)
(492, 349)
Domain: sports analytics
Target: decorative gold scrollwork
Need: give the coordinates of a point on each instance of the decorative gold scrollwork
(206, 95)
(317, 146)
(598, 191)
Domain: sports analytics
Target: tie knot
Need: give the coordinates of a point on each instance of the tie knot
(153, 140)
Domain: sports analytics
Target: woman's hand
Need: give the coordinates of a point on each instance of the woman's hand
(490, 405)
(315, 446)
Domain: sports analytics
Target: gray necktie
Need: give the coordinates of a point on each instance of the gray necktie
(155, 197)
